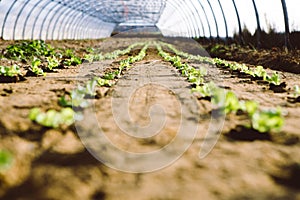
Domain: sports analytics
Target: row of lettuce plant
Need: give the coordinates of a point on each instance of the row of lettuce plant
(92, 57)
(40, 56)
(261, 120)
(78, 98)
(258, 72)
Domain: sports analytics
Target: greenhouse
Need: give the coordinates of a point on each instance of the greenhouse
(160, 99)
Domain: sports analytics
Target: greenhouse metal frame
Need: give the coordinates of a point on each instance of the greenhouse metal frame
(68, 19)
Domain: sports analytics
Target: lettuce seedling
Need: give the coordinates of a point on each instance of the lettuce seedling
(266, 121)
(91, 87)
(244, 68)
(274, 79)
(103, 82)
(296, 91)
(197, 80)
(260, 72)
(234, 66)
(52, 118)
(218, 97)
(78, 95)
(231, 102)
(78, 98)
(206, 90)
(90, 58)
(10, 71)
(52, 62)
(35, 67)
(177, 61)
(76, 60)
(110, 76)
(6, 160)
(249, 106)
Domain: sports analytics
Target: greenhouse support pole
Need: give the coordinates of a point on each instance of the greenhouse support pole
(224, 18)
(241, 38)
(207, 21)
(215, 19)
(69, 24)
(258, 36)
(287, 27)
(29, 15)
(49, 23)
(6, 17)
(18, 17)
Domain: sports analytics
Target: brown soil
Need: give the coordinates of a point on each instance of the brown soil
(276, 58)
(54, 163)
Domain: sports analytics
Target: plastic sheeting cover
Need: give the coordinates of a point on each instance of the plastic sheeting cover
(78, 19)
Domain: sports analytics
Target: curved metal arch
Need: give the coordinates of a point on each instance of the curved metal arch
(80, 28)
(193, 17)
(84, 29)
(65, 22)
(72, 16)
(62, 22)
(191, 28)
(85, 9)
(73, 24)
(60, 14)
(258, 36)
(287, 26)
(151, 15)
(205, 14)
(87, 31)
(37, 17)
(184, 15)
(224, 18)
(198, 18)
(6, 17)
(17, 19)
(202, 26)
(53, 17)
(181, 16)
(45, 19)
(97, 5)
(80, 21)
(239, 22)
(30, 12)
(215, 19)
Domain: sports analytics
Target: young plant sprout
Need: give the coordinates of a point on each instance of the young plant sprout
(249, 107)
(6, 160)
(52, 118)
(52, 62)
(231, 103)
(260, 72)
(274, 79)
(10, 71)
(35, 67)
(266, 121)
(207, 90)
(296, 91)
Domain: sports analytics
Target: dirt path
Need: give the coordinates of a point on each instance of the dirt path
(148, 121)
